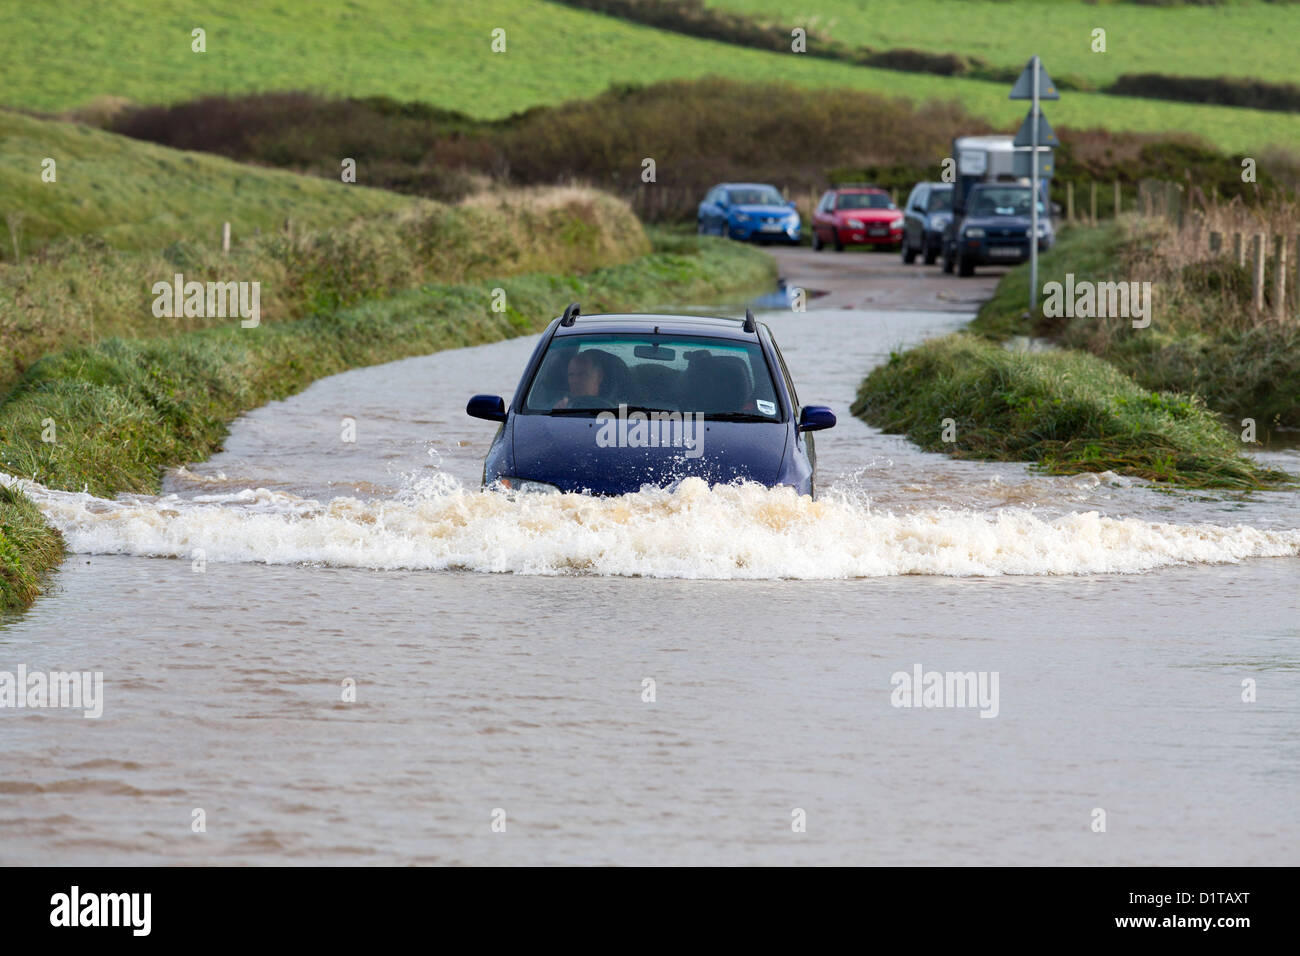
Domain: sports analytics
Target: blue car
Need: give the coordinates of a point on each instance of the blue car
(748, 211)
(611, 403)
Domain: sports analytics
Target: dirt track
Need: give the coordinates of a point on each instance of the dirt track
(879, 280)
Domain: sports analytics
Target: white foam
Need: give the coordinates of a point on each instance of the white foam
(745, 531)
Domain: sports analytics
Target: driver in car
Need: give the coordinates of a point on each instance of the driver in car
(585, 379)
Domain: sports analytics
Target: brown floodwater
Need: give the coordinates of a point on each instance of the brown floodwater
(501, 651)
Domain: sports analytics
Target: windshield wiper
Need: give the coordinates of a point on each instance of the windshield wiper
(737, 417)
(647, 410)
(644, 409)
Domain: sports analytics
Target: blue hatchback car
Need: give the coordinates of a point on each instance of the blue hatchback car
(748, 211)
(610, 403)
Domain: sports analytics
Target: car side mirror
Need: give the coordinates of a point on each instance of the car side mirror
(814, 418)
(490, 407)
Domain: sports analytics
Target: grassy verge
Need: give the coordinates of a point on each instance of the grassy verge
(1066, 411)
(123, 409)
(1204, 337)
(83, 290)
(28, 548)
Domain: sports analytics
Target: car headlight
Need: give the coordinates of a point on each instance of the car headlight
(897, 223)
(855, 224)
(940, 221)
(1042, 229)
(793, 217)
(973, 232)
(524, 486)
(741, 217)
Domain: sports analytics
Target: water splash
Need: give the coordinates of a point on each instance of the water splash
(693, 531)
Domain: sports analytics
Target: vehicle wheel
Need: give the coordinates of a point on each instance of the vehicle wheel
(964, 268)
(839, 246)
(909, 254)
(947, 264)
(931, 254)
(817, 243)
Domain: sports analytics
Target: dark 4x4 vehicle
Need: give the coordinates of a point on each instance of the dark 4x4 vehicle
(995, 228)
(926, 215)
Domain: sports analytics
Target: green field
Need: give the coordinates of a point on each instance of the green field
(139, 196)
(1240, 39)
(441, 54)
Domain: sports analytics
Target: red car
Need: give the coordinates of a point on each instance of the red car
(857, 216)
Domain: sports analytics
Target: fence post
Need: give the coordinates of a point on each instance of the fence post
(1093, 201)
(1118, 197)
(1069, 202)
(1260, 240)
(1279, 284)
(225, 238)
(1216, 243)
(1238, 249)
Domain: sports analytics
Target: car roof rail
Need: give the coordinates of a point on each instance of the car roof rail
(749, 325)
(570, 314)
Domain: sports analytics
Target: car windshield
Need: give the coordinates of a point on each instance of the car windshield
(587, 374)
(757, 196)
(1004, 201)
(941, 200)
(864, 201)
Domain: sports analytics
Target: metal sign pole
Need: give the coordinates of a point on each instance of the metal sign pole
(1033, 207)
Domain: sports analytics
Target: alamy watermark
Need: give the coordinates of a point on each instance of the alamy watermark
(212, 300)
(922, 688)
(660, 429)
(75, 908)
(82, 690)
(1098, 300)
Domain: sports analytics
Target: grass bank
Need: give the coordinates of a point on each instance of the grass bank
(1067, 412)
(123, 409)
(137, 196)
(28, 548)
(1204, 338)
(84, 290)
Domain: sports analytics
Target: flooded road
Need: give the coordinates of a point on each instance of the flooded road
(663, 678)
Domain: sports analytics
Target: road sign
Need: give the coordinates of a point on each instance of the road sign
(1022, 165)
(1034, 84)
(1024, 88)
(1046, 136)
